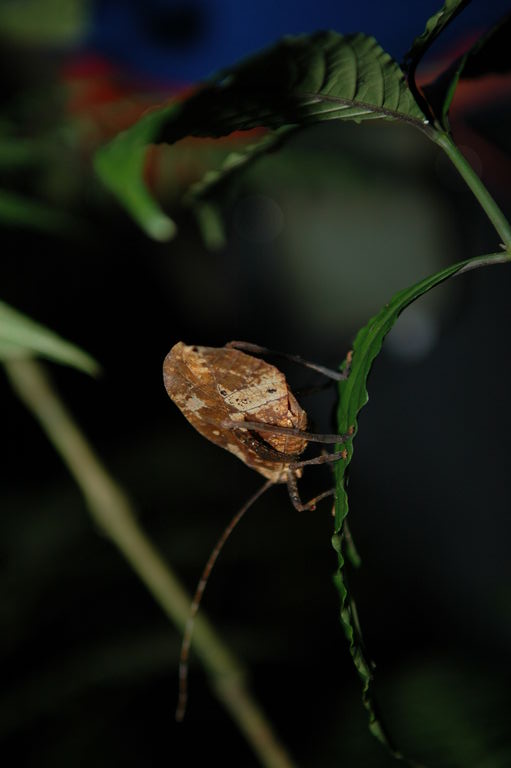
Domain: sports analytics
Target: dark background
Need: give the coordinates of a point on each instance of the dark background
(320, 235)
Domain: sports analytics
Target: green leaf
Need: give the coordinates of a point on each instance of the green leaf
(19, 153)
(19, 211)
(210, 224)
(120, 165)
(208, 215)
(353, 396)
(44, 22)
(234, 163)
(21, 337)
(434, 26)
(300, 81)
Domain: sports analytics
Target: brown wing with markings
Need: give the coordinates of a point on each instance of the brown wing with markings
(214, 385)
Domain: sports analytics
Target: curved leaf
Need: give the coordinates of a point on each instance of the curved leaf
(120, 165)
(353, 396)
(20, 336)
(19, 211)
(434, 26)
(301, 80)
(234, 163)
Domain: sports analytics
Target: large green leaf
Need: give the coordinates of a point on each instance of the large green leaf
(20, 336)
(434, 26)
(299, 81)
(353, 396)
(303, 79)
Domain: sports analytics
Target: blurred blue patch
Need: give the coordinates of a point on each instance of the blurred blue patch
(182, 41)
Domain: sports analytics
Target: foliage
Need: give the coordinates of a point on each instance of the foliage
(22, 337)
(300, 81)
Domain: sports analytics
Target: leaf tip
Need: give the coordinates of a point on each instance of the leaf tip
(160, 227)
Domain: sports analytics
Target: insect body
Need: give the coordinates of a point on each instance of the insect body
(219, 389)
(244, 405)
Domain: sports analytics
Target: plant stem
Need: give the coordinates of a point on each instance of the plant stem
(473, 181)
(113, 512)
(488, 260)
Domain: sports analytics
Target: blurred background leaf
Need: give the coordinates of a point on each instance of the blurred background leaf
(89, 663)
(435, 25)
(19, 211)
(20, 336)
(44, 22)
(121, 167)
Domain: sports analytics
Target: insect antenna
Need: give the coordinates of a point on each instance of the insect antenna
(255, 349)
(194, 607)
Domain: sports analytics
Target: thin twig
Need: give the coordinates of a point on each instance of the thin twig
(114, 513)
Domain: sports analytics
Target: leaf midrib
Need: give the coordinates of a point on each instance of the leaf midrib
(393, 113)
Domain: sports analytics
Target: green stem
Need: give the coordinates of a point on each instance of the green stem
(114, 514)
(473, 181)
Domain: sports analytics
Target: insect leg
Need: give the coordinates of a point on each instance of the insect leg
(201, 586)
(294, 495)
(325, 458)
(255, 349)
(273, 429)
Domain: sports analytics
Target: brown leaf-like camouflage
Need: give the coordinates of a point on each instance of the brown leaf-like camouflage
(214, 386)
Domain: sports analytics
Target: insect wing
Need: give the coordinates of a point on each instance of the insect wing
(190, 384)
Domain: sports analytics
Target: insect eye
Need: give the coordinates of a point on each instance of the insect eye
(223, 392)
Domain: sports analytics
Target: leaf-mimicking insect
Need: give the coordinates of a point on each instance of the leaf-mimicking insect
(245, 405)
